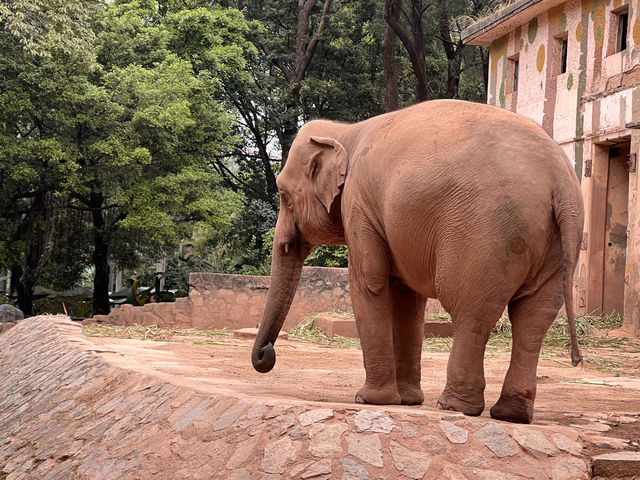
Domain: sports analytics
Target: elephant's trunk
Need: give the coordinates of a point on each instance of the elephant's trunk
(286, 267)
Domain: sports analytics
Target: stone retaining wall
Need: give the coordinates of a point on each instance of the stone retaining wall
(67, 412)
(219, 300)
(238, 301)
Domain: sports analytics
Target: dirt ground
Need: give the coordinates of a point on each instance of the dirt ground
(601, 396)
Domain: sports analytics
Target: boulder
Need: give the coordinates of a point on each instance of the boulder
(9, 313)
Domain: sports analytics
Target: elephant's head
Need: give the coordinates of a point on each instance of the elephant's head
(310, 188)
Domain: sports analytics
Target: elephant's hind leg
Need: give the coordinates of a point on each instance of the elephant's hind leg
(464, 391)
(408, 328)
(530, 317)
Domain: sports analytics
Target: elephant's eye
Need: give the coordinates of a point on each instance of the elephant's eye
(286, 200)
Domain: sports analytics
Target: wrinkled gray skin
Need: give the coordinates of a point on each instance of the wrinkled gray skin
(466, 203)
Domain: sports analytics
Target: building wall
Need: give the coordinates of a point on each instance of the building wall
(585, 109)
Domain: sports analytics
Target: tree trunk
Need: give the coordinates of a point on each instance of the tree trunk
(289, 127)
(391, 98)
(414, 44)
(33, 232)
(100, 257)
(453, 50)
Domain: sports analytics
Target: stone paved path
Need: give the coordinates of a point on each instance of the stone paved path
(67, 412)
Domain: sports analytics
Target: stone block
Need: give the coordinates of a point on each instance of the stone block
(343, 326)
(251, 333)
(617, 464)
(336, 325)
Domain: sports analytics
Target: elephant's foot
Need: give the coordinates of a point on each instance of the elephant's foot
(410, 395)
(513, 408)
(468, 406)
(378, 396)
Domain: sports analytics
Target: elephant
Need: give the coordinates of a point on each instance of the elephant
(466, 203)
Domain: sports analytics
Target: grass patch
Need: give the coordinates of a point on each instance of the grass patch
(592, 333)
(151, 332)
(306, 332)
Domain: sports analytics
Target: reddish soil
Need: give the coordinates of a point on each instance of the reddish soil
(309, 372)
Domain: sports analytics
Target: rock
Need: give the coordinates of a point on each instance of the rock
(241, 474)
(410, 463)
(435, 445)
(278, 455)
(242, 452)
(313, 416)
(497, 440)
(280, 425)
(607, 442)
(449, 472)
(321, 467)
(534, 441)
(352, 470)
(372, 421)
(570, 468)
(475, 459)
(324, 440)
(617, 464)
(480, 474)
(298, 432)
(190, 416)
(453, 417)
(231, 415)
(409, 430)
(9, 313)
(475, 422)
(454, 433)
(366, 447)
(592, 427)
(565, 444)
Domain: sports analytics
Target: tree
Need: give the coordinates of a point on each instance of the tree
(34, 163)
(148, 128)
(126, 143)
(290, 46)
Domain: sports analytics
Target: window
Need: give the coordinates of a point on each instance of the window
(623, 25)
(513, 73)
(559, 54)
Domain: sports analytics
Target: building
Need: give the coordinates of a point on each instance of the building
(574, 67)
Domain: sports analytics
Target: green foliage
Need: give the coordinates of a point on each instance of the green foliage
(328, 256)
(43, 26)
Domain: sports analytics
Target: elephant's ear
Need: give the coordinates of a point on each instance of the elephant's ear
(327, 169)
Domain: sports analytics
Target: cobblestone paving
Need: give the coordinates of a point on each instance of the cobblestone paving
(67, 413)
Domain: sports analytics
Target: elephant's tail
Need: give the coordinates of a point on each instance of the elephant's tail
(569, 214)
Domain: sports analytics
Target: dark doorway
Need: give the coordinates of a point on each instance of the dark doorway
(615, 229)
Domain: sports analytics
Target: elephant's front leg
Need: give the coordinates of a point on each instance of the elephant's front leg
(408, 331)
(372, 306)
